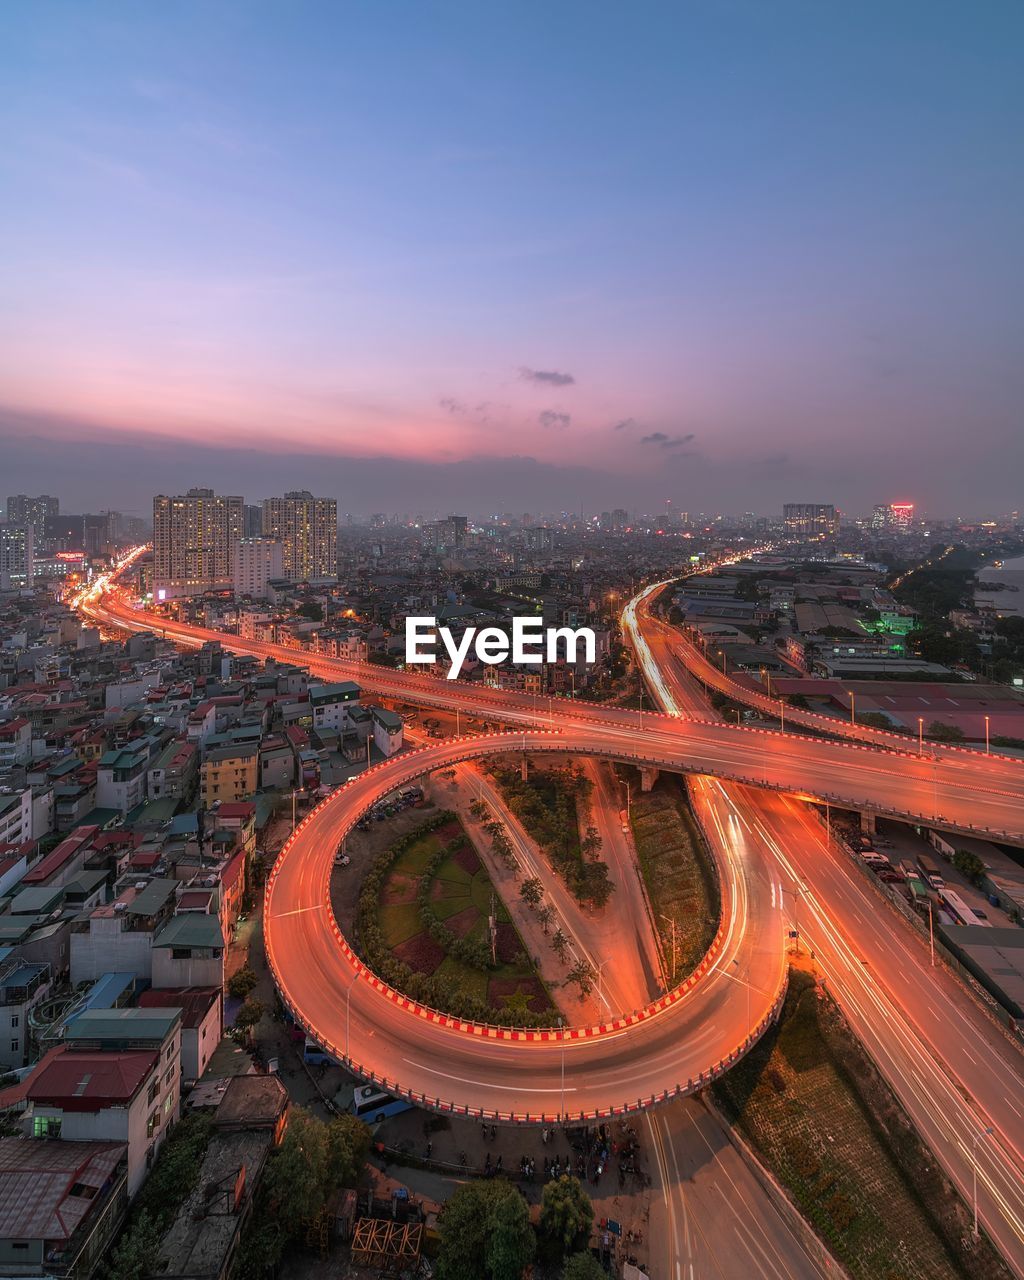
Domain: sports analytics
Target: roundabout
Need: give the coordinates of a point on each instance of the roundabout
(673, 1046)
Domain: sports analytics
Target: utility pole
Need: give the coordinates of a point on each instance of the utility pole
(672, 921)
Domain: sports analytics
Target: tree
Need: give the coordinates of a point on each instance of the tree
(311, 610)
(560, 945)
(485, 1233)
(875, 720)
(583, 1266)
(566, 1216)
(134, 1255)
(593, 884)
(583, 975)
(241, 983)
(511, 1243)
(591, 844)
(478, 809)
(969, 865)
(249, 1014)
(532, 891)
(939, 731)
(545, 915)
(348, 1145)
(297, 1176)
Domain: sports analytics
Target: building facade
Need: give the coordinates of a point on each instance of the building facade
(260, 561)
(810, 519)
(195, 542)
(307, 529)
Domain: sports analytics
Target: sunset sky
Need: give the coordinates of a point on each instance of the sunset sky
(533, 256)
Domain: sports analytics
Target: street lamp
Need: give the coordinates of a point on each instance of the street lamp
(853, 707)
(986, 736)
(561, 1105)
(974, 1156)
(782, 714)
(920, 735)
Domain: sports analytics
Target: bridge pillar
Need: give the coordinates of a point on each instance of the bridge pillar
(868, 823)
(648, 777)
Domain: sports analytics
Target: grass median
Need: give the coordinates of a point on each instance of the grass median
(821, 1118)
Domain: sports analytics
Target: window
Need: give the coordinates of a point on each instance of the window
(15, 1020)
(46, 1126)
(15, 1046)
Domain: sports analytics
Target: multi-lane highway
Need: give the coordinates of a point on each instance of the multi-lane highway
(954, 790)
(955, 1071)
(951, 1066)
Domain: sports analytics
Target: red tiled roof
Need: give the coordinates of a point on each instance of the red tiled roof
(90, 1081)
(36, 1181)
(81, 838)
(12, 726)
(236, 809)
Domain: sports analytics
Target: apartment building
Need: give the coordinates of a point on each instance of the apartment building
(307, 529)
(195, 542)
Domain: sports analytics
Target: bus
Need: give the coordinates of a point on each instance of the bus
(371, 1105)
(965, 914)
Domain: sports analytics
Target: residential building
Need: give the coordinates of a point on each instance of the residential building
(173, 773)
(15, 743)
(810, 519)
(121, 779)
(202, 1023)
(307, 528)
(119, 935)
(21, 509)
(61, 1205)
(195, 542)
(332, 705)
(22, 986)
(229, 773)
(260, 561)
(387, 731)
(189, 952)
(115, 1078)
(15, 815)
(17, 556)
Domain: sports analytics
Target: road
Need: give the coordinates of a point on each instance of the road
(950, 790)
(951, 1066)
(712, 1220)
(956, 1073)
(625, 1063)
(637, 619)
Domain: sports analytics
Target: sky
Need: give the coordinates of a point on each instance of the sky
(422, 256)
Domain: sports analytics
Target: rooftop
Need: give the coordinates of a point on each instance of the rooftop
(48, 1188)
(87, 1081)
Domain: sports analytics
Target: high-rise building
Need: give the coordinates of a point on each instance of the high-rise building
(446, 535)
(258, 563)
(307, 529)
(810, 519)
(17, 557)
(900, 517)
(253, 520)
(195, 542)
(878, 516)
(21, 509)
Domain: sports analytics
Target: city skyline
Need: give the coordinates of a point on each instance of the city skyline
(711, 256)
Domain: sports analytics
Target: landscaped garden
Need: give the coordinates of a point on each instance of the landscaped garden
(424, 926)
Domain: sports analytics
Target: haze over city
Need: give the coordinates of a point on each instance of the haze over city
(447, 257)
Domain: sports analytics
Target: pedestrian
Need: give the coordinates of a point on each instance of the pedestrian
(494, 1133)
(430, 1147)
(497, 1167)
